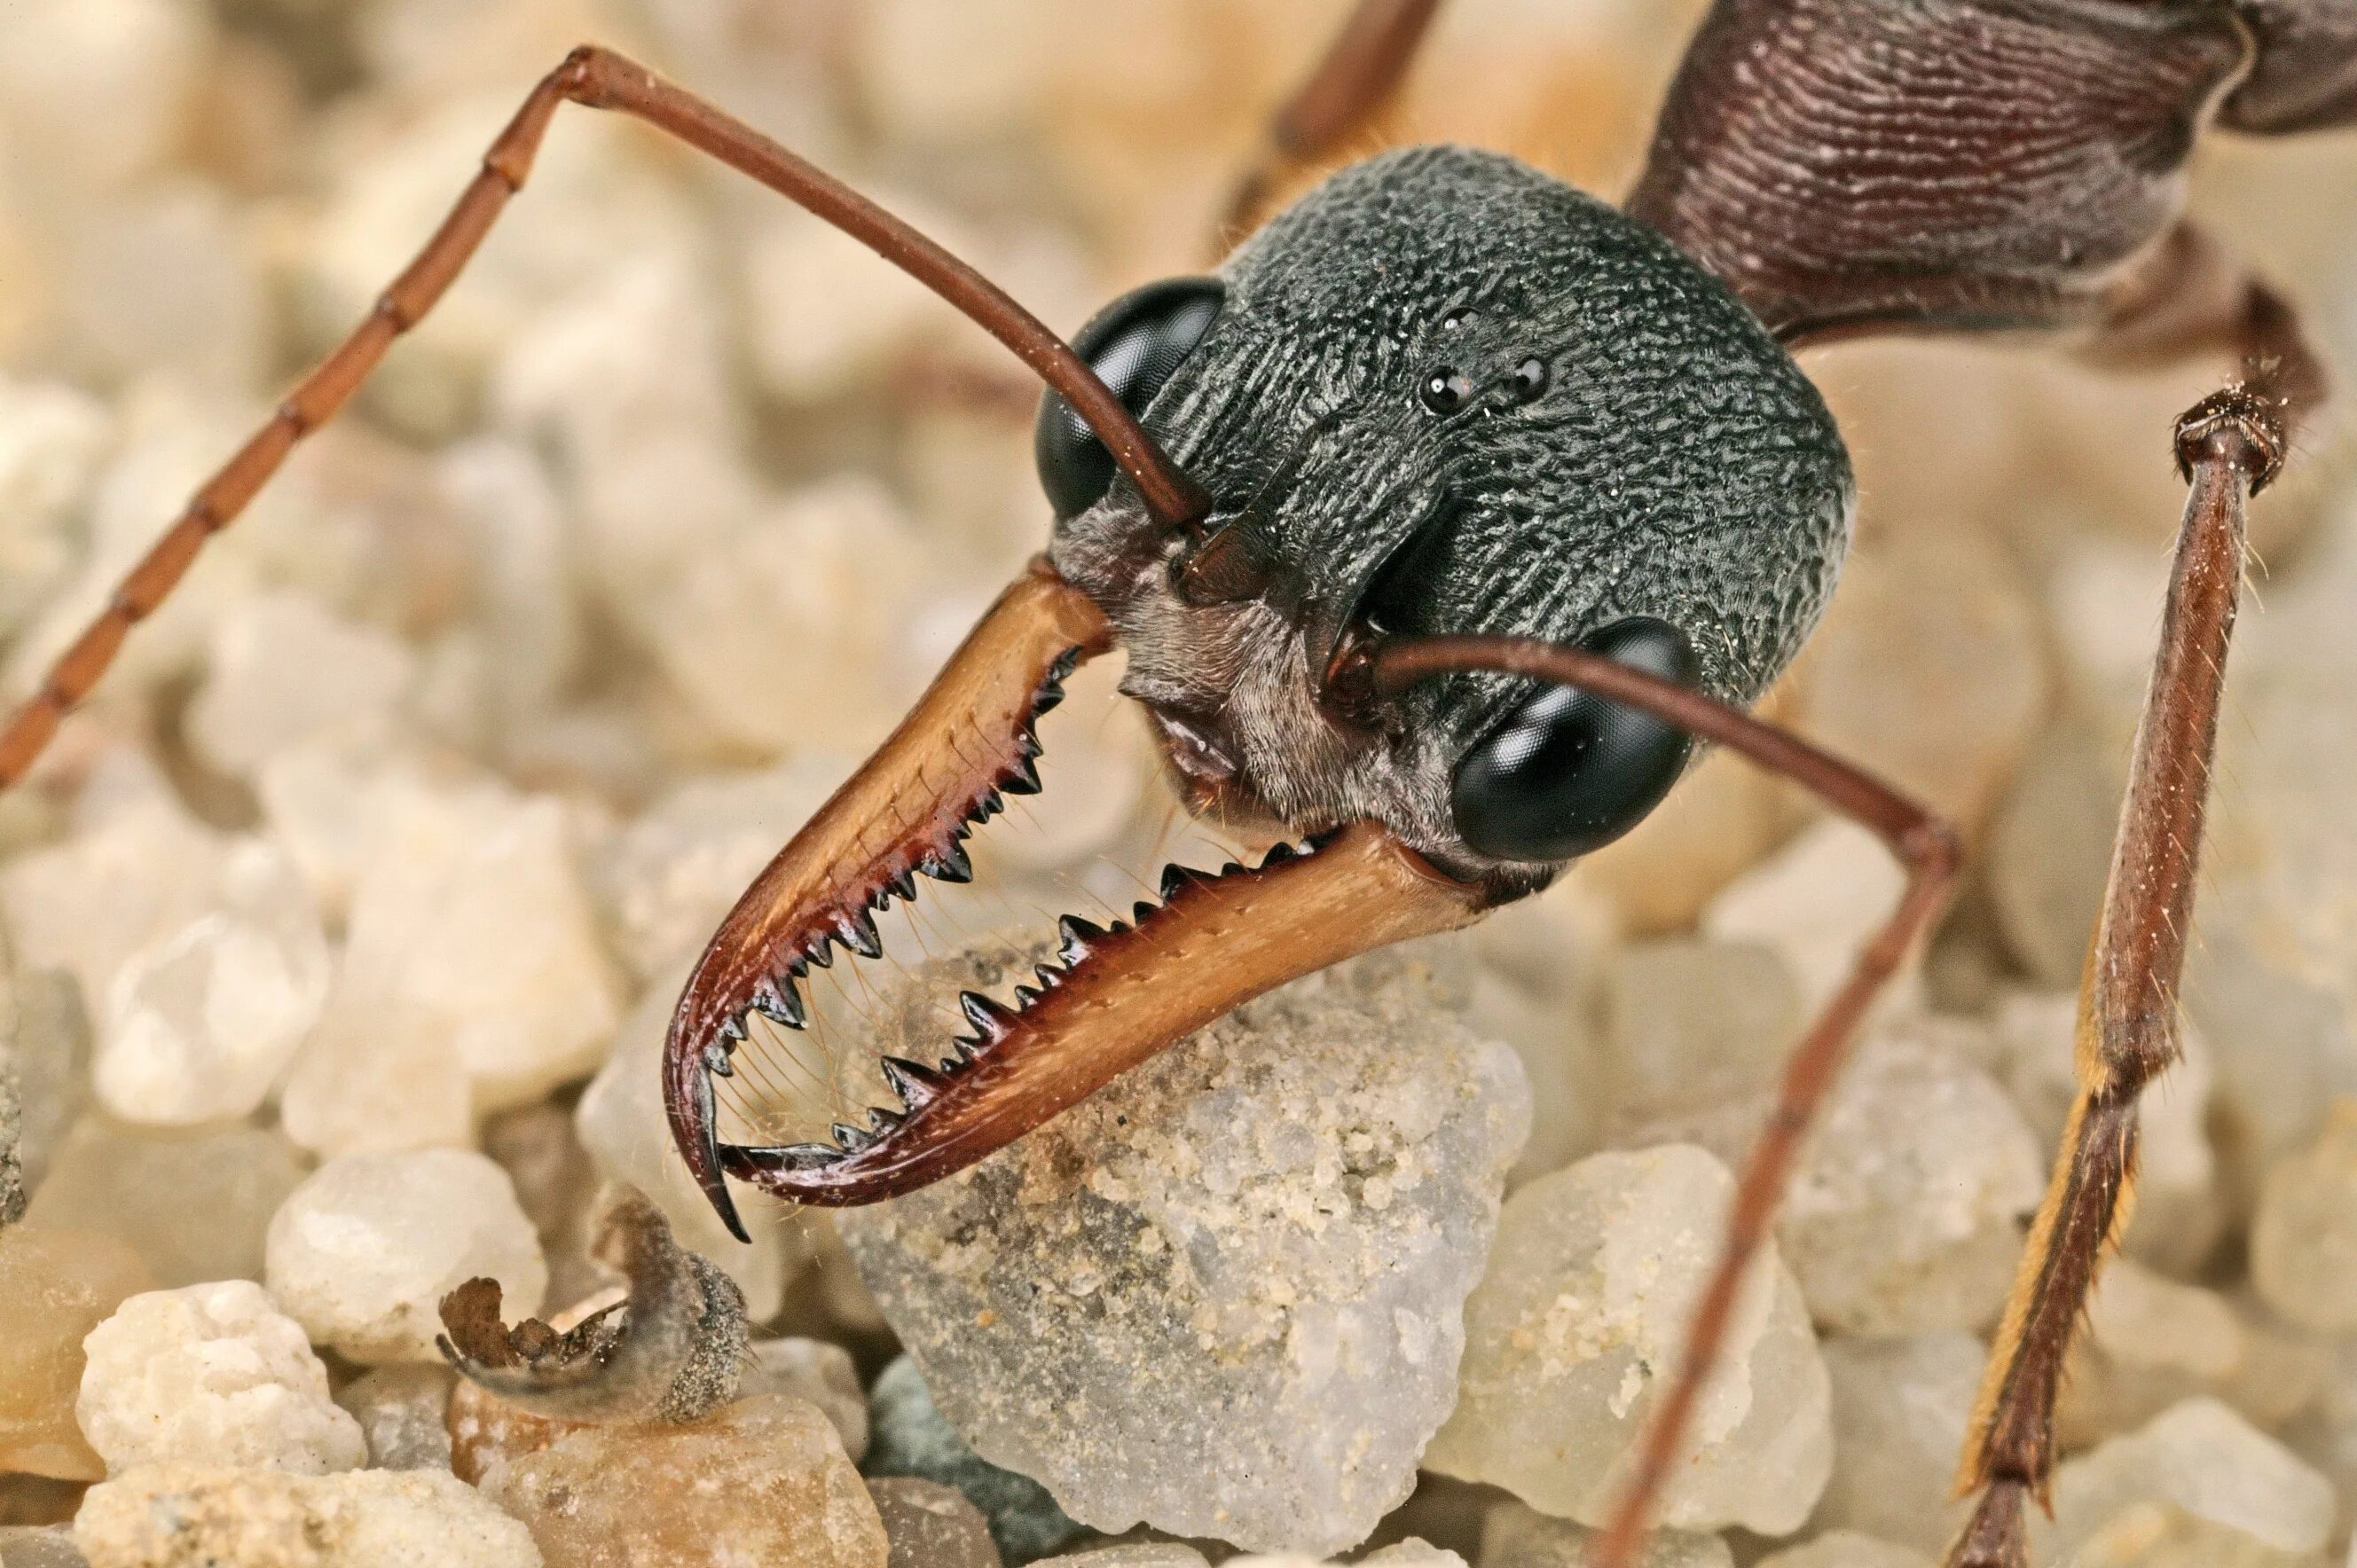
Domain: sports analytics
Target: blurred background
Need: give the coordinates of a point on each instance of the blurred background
(664, 516)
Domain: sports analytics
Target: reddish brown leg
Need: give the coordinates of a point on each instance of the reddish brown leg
(1360, 70)
(2228, 446)
(598, 78)
(1924, 844)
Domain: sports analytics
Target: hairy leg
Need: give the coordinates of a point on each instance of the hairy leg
(598, 79)
(2228, 446)
(1358, 74)
(1926, 846)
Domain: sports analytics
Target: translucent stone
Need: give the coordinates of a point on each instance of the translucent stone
(52, 438)
(673, 875)
(1929, 609)
(193, 1205)
(1900, 1407)
(212, 1373)
(142, 59)
(2156, 1535)
(622, 1123)
(55, 1287)
(1413, 1553)
(1691, 1024)
(136, 870)
(1905, 1213)
(364, 1251)
(2304, 1237)
(165, 280)
(283, 669)
(1153, 1555)
(1817, 902)
(1281, 1214)
(1001, 76)
(2147, 1344)
(911, 1439)
(32, 1547)
(816, 1373)
(1582, 1314)
(179, 1516)
(1845, 1549)
(1515, 1535)
(1556, 1040)
(931, 1526)
(403, 1416)
(762, 1482)
(526, 602)
(200, 1024)
(2049, 849)
(2201, 1458)
(473, 978)
(783, 639)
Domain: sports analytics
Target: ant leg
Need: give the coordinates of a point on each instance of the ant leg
(1362, 69)
(1925, 845)
(2228, 446)
(596, 79)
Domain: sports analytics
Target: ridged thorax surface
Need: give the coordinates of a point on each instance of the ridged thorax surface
(1675, 464)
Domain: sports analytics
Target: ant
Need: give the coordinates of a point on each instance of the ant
(1443, 520)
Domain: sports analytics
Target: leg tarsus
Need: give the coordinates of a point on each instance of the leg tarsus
(1997, 1535)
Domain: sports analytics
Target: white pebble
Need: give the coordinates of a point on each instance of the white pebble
(1818, 901)
(474, 977)
(211, 1374)
(2202, 1458)
(1515, 1535)
(51, 440)
(364, 1251)
(2304, 1238)
(1901, 1406)
(199, 1025)
(284, 669)
(1844, 1549)
(180, 1515)
(1572, 1335)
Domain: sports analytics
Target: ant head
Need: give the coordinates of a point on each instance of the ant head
(1445, 394)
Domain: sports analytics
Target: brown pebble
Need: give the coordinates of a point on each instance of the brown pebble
(932, 1526)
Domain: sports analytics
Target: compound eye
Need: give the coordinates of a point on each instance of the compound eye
(1566, 773)
(1134, 345)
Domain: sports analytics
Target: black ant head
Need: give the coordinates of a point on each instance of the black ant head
(1445, 394)
(1442, 395)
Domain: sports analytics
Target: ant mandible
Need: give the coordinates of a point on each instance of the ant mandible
(1441, 523)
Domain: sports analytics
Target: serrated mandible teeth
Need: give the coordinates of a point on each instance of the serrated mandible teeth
(857, 932)
(780, 1003)
(916, 1084)
(990, 1020)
